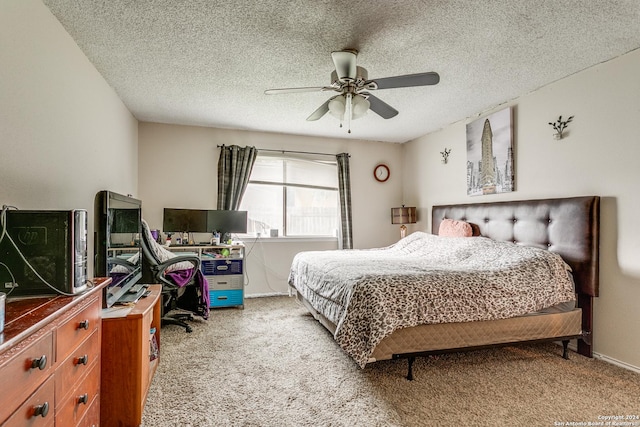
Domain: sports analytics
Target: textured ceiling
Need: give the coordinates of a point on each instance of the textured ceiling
(207, 63)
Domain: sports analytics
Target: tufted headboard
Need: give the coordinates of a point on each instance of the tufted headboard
(567, 226)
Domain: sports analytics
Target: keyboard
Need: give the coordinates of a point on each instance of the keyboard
(133, 295)
(136, 288)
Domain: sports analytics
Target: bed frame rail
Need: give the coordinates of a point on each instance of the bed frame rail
(411, 357)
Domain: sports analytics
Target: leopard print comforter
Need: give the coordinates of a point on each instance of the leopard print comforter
(426, 279)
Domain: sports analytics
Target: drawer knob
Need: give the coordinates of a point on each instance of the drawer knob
(83, 399)
(41, 410)
(82, 360)
(84, 324)
(39, 363)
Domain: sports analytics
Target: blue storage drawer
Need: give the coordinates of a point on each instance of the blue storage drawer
(211, 267)
(226, 298)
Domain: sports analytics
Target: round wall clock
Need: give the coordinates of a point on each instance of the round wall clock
(381, 172)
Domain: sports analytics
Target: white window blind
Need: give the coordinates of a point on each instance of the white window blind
(296, 195)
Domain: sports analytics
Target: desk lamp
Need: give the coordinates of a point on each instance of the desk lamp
(403, 216)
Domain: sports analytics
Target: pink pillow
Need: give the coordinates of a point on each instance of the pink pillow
(453, 228)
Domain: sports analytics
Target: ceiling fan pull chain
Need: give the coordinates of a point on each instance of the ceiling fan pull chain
(349, 109)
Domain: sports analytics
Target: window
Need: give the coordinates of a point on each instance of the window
(295, 195)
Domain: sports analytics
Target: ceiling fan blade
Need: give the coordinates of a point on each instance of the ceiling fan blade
(298, 90)
(380, 107)
(321, 111)
(409, 80)
(345, 63)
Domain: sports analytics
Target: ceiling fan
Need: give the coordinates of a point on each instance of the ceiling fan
(354, 98)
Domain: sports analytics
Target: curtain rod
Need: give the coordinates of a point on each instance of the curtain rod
(294, 152)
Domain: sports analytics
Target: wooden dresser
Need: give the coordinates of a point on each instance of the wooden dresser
(127, 368)
(50, 360)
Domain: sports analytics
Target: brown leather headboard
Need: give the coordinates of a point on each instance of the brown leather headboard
(568, 226)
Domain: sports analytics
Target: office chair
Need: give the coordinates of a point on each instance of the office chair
(175, 273)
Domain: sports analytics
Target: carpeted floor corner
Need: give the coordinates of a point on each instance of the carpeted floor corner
(272, 364)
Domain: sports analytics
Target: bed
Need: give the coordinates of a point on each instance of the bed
(563, 233)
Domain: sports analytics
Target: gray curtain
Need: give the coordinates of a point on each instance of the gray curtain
(234, 168)
(344, 187)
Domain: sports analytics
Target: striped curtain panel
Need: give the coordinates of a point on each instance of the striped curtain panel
(344, 188)
(234, 169)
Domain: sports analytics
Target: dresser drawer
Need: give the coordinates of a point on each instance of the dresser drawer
(92, 415)
(76, 365)
(37, 410)
(77, 328)
(229, 281)
(83, 396)
(226, 298)
(221, 266)
(25, 371)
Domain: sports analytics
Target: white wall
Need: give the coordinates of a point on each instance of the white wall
(598, 156)
(178, 168)
(64, 133)
(269, 262)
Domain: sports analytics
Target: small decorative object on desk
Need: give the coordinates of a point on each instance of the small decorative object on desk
(215, 239)
(153, 344)
(559, 126)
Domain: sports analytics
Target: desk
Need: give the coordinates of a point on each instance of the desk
(115, 250)
(236, 251)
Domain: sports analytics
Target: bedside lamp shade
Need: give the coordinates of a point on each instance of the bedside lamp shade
(403, 216)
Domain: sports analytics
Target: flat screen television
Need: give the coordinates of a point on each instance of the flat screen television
(118, 254)
(184, 220)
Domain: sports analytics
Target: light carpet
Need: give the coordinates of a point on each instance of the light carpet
(272, 364)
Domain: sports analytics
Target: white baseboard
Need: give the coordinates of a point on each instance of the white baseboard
(271, 294)
(608, 359)
(616, 362)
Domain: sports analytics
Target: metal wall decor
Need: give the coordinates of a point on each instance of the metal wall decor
(445, 155)
(559, 126)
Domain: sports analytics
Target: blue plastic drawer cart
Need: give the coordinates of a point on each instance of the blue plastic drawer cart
(226, 281)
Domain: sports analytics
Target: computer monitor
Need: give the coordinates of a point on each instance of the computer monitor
(227, 221)
(184, 220)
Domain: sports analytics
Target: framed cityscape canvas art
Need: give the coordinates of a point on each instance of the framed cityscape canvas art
(490, 168)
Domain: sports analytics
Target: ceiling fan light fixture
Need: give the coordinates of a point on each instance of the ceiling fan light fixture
(337, 107)
(360, 106)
